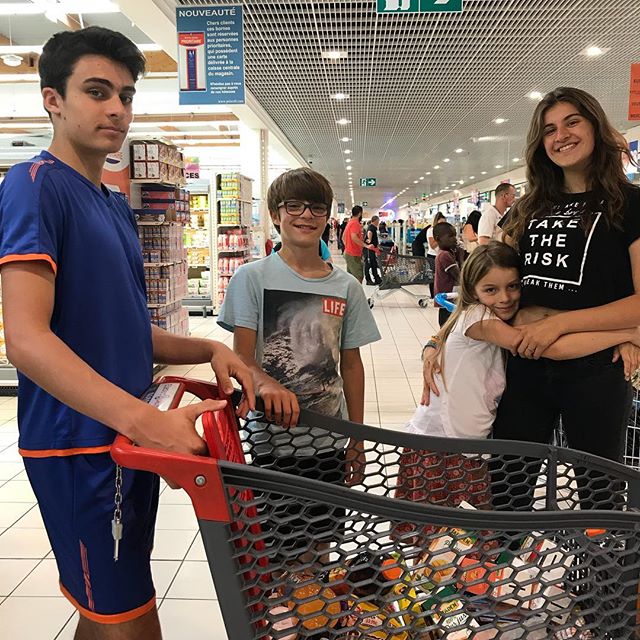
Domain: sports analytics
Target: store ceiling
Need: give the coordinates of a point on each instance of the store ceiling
(420, 86)
(423, 85)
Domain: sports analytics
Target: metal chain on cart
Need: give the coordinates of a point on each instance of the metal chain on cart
(116, 523)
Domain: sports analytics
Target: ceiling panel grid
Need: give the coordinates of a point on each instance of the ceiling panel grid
(422, 85)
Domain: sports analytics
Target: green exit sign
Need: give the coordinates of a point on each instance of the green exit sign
(368, 182)
(419, 6)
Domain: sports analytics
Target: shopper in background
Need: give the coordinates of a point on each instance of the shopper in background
(342, 226)
(432, 249)
(488, 227)
(418, 244)
(448, 263)
(299, 323)
(354, 244)
(77, 329)
(371, 269)
(470, 232)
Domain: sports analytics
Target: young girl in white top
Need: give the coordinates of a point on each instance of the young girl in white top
(471, 359)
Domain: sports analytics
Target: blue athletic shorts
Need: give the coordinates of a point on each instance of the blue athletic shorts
(76, 498)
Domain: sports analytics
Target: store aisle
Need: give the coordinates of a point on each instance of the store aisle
(31, 606)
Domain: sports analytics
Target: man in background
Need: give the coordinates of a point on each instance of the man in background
(371, 271)
(488, 228)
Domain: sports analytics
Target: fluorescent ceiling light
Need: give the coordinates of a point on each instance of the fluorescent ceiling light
(347, 151)
(421, 177)
(459, 150)
(12, 60)
(437, 166)
(345, 139)
(340, 96)
(500, 120)
(25, 125)
(334, 55)
(534, 95)
(64, 7)
(428, 173)
(343, 121)
(498, 166)
(415, 182)
(516, 160)
(594, 52)
(472, 177)
(191, 143)
(446, 160)
(484, 173)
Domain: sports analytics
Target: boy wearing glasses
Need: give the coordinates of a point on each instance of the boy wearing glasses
(298, 324)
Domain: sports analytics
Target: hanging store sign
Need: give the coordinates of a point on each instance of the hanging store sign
(419, 6)
(210, 54)
(192, 168)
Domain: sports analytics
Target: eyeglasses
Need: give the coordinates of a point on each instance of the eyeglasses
(296, 208)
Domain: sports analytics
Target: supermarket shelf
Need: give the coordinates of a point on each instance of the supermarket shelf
(197, 246)
(161, 264)
(154, 223)
(245, 250)
(8, 380)
(164, 183)
(198, 304)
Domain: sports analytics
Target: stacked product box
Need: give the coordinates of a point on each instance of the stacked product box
(173, 318)
(157, 161)
(164, 204)
(200, 286)
(166, 284)
(162, 243)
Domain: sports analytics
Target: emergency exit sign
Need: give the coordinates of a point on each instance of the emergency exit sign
(368, 182)
(419, 6)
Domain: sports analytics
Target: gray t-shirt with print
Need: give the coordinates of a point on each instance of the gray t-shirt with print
(302, 325)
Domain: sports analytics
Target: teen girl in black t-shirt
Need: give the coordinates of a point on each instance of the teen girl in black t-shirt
(577, 230)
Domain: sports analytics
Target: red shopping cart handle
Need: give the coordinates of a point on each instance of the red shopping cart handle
(199, 476)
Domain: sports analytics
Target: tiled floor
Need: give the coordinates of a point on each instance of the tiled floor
(31, 607)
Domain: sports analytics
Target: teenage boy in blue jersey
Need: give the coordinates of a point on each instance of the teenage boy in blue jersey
(77, 328)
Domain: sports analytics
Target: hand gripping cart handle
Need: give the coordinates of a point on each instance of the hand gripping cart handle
(200, 477)
(571, 567)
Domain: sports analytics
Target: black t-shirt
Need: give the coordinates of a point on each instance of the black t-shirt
(565, 268)
(473, 219)
(374, 235)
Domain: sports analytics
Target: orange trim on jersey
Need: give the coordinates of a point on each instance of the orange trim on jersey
(60, 453)
(115, 618)
(30, 257)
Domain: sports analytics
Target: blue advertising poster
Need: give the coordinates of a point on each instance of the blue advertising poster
(210, 54)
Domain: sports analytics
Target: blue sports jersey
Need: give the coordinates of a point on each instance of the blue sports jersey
(48, 211)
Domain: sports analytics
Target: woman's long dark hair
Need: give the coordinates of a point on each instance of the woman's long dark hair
(546, 179)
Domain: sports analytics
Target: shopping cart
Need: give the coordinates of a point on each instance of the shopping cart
(294, 557)
(399, 272)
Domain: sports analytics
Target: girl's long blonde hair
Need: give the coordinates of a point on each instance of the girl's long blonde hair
(478, 264)
(546, 180)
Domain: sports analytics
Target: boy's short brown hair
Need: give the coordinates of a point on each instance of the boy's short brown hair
(300, 184)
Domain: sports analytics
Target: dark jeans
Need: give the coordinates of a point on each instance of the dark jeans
(371, 270)
(593, 399)
(431, 261)
(443, 316)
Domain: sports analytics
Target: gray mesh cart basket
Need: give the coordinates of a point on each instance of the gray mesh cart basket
(350, 532)
(400, 272)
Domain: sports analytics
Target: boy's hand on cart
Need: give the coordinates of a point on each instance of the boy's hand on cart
(175, 430)
(280, 404)
(630, 355)
(429, 369)
(356, 462)
(226, 365)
